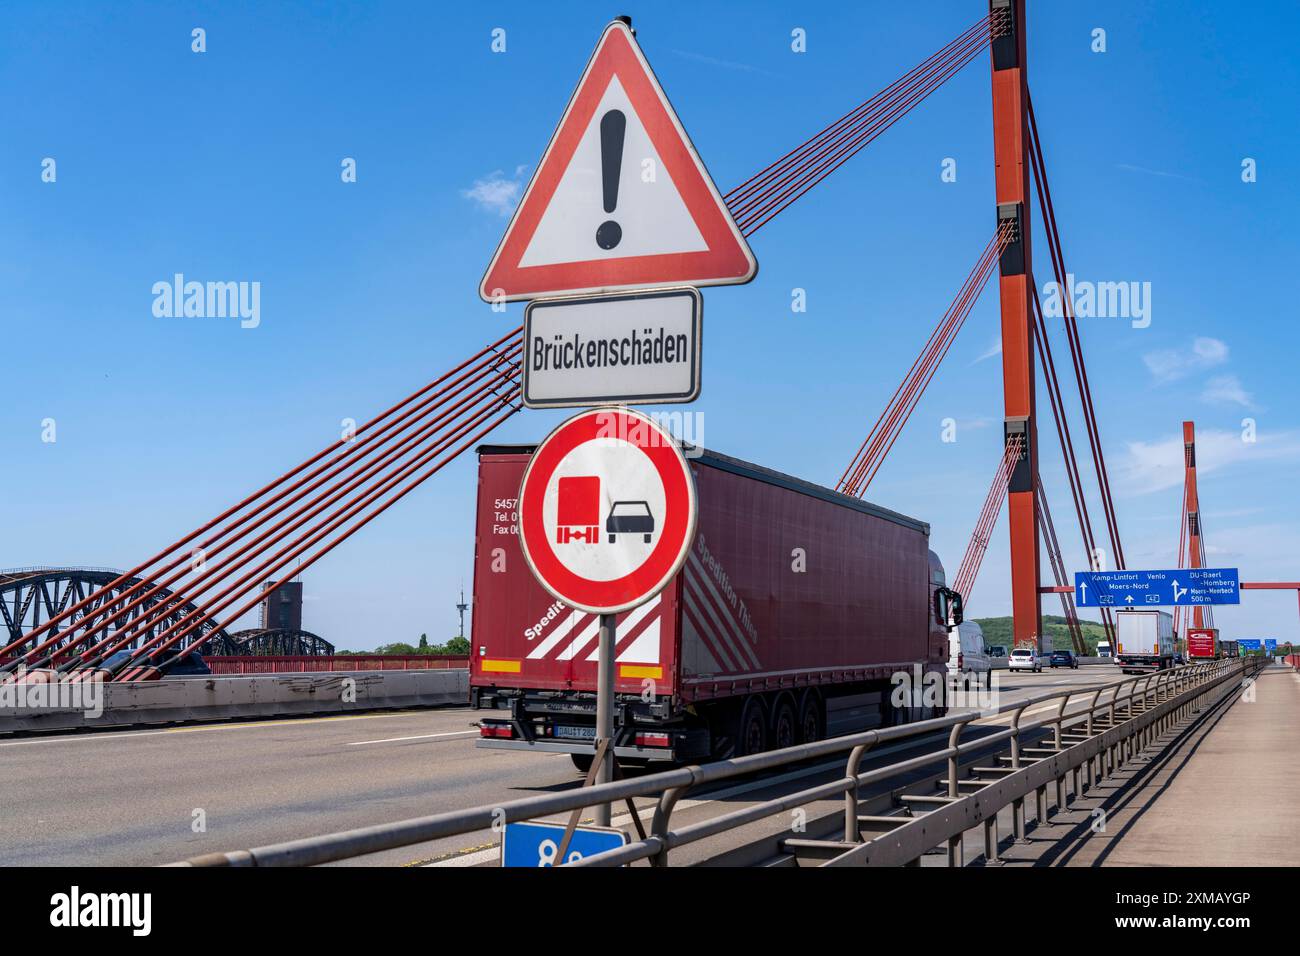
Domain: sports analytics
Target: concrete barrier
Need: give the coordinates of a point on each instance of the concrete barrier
(269, 695)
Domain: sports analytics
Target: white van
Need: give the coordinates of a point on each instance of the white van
(966, 652)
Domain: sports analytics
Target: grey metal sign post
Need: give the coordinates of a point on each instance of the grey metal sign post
(605, 711)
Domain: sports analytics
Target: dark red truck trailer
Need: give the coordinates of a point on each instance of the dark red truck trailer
(796, 607)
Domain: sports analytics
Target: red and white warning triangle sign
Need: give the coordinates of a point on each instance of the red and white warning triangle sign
(620, 199)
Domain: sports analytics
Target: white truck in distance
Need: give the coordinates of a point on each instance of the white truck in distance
(1144, 640)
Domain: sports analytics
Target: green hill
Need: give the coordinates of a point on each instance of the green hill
(997, 630)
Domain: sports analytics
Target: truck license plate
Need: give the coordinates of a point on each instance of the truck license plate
(576, 733)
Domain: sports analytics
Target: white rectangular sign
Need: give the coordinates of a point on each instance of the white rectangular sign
(621, 348)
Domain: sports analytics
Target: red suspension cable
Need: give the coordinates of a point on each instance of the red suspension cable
(790, 183)
(285, 558)
(757, 200)
(875, 448)
(979, 540)
(739, 197)
(1058, 568)
(489, 374)
(1072, 332)
(214, 573)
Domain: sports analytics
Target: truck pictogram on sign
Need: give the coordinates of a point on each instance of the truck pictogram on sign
(578, 510)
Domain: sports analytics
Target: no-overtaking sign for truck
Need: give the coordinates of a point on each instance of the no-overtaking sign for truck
(607, 510)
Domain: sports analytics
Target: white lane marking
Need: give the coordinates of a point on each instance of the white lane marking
(80, 739)
(101, 737)
(391, 740)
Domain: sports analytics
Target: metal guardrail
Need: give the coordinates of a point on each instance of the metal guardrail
(310, 664)
(1101, 736)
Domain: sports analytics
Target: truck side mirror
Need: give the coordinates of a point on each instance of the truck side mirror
(947, 607)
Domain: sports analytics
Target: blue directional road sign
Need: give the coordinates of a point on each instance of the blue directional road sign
(1249, 644)
(536, 844)
(1181, 587)
(1270, 646)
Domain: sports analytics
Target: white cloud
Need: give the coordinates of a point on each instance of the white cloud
(497, 192)
(724, 64)
(1157, 465)
(1227, 390)
(1169, 365)
(988, 353)
(1130, 168)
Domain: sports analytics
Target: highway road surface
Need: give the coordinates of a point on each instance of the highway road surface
(159, 795)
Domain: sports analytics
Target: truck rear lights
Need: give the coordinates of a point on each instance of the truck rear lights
(496, 730)
(653, 740)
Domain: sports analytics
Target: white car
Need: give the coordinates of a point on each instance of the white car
(1024, 659)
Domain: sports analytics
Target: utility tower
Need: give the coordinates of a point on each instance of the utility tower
(462, 607)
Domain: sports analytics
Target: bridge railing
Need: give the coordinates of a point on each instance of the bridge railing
(1115, 720)
(273, 664)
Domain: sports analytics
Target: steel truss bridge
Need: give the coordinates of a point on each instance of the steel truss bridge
(30, 597)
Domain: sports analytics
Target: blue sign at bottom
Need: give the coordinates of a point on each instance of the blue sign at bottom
(1249, 644)
(536, 844)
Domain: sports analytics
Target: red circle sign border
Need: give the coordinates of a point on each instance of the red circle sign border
(665, 560)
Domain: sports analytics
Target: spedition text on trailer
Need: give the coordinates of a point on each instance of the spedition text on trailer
(640, 347)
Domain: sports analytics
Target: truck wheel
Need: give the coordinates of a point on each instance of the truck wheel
(810, 719)
(611, 539)
(753, 729)
(784, 727)
(582, 761)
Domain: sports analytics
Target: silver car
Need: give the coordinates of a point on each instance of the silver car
(1024, 659)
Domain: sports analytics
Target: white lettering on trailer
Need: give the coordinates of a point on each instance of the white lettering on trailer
(697, 656)
(701, 638)
(717, 613)
(557, 635)
(551, 614)
(724, 582)
(590, 625)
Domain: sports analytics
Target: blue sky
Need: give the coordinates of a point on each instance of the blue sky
(225, 166)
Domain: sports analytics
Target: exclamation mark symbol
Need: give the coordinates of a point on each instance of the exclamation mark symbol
(612, 127)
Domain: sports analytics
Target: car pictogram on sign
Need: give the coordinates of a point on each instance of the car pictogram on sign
(630, 517)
